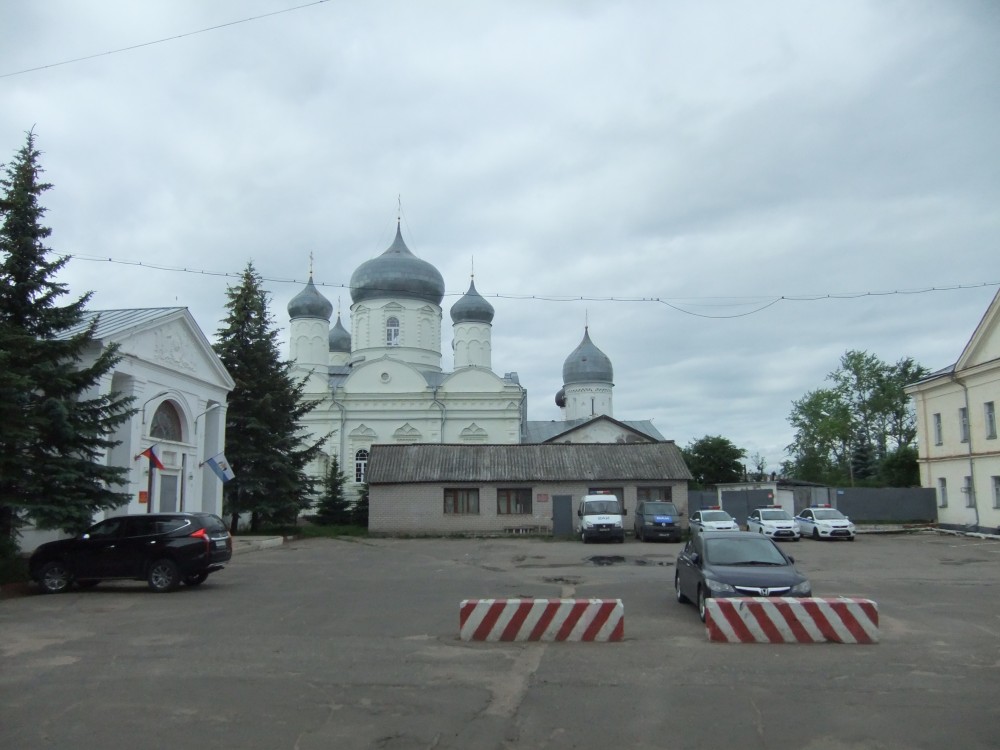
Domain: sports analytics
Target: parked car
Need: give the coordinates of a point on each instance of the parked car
(712, 519)
(657, 519)
(600, 518)
(825, 522)
(775, 522)
(163, 549)
(735, 563)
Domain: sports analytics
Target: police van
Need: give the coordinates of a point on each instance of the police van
(600, 517)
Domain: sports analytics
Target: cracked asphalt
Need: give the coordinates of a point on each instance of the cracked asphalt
(354, 644)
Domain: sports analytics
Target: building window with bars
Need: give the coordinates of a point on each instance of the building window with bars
(970, 493)
(514, 502)
(942, 492)
(461, 501)
(963, 423)
(938, 432)
(990, 413)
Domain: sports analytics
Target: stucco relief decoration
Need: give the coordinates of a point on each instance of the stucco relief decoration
(172, 346)
(363, 431)
(407, 434)
(474, 434)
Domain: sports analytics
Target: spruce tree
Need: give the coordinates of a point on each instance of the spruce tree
(359, 513)
(55, 428)
(333, 508)
(268, 453)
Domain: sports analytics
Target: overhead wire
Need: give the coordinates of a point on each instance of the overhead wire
(762, 302)
(163, 40)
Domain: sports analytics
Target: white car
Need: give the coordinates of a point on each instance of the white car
(825, 522)
(775, 522)
(712, 519)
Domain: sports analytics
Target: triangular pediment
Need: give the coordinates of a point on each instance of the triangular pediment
(984, 346)
(168, 338)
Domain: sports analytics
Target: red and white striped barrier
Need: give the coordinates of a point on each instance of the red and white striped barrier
(542, 620)
(761, 619)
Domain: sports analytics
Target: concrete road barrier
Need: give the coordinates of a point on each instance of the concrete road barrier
(542, 620)
(761, 619)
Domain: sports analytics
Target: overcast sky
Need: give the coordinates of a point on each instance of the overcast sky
(714, 186)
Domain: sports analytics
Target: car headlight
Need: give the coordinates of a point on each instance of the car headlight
(801, 589)
(719, 587)
(618, 524)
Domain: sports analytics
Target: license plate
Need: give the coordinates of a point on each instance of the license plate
(220, 543)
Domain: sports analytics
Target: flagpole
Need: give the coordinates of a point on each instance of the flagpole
(149, 488)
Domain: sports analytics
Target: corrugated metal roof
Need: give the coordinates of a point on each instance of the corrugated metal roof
(435, 463)
(113, 322)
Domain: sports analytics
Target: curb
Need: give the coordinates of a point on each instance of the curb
(243, 544)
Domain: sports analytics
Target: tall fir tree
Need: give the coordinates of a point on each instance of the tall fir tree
(55, 427)
(264, 444)
(333, 508)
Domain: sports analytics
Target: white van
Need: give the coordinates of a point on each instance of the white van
(600, 517)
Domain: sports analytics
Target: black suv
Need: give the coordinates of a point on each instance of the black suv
(161, 548)
(657, 519)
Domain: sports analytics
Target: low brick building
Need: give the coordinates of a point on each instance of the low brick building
(494, 489)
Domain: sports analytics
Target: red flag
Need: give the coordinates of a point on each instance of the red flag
(154, 460)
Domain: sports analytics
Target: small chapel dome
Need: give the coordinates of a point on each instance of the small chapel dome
(309, 303)
(587, 364)
(397, 273)
(340, 339)
(472, 308)
(561, 398)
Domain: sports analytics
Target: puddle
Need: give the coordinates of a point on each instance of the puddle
(606, 559)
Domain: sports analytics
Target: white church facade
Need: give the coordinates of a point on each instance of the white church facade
(384, 382)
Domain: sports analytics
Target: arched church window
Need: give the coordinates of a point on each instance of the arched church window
(392, 332)
(166, 424)
(360, 465)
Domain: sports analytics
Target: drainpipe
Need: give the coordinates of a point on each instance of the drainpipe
(442, 406)
(343, 423)
(972, 466)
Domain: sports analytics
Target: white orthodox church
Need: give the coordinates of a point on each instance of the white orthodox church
(385, 381)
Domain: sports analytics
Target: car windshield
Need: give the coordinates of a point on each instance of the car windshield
(660, 509)
(745, 551)
(602, 507)
(775, 515)
(715, 515)
(828, 514)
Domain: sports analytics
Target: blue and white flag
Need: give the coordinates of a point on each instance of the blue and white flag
(221, 467)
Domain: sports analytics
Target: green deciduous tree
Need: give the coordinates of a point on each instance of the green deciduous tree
(264, 445)
(333, 508)
(714, 460)
(55, 425)
(857, 431)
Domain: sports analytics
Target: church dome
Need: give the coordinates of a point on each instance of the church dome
(561, 398)
(340, 339)
(309, 303)
(472, 308)
(397, 273)
(587, 364)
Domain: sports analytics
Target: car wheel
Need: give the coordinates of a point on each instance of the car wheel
(54, 578)
(702, 596)
(850, 538)
(163, 575)
(677, 590)
(196, 579)
(815, 533)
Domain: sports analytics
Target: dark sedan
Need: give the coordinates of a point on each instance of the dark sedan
(735, 563)
(163, 549)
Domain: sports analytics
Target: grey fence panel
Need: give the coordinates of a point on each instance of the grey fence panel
(739, 503)
(893, 504)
